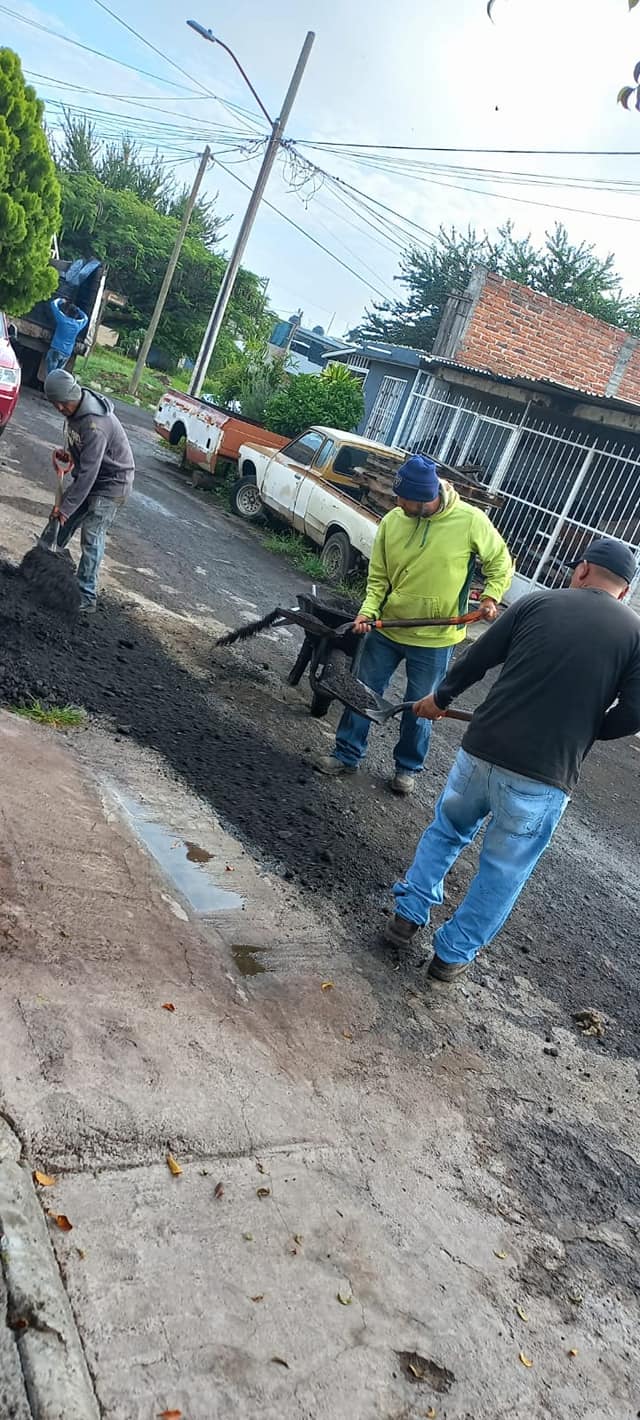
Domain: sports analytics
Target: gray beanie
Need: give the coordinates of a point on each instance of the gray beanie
(61, 387)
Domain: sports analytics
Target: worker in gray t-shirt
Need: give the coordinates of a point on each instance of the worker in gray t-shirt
(570, 675)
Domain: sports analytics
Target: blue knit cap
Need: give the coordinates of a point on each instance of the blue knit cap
(417, 480)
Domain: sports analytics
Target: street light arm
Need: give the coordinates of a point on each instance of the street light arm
(213, 39)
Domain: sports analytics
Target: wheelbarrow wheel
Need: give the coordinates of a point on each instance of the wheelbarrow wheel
(319, 704)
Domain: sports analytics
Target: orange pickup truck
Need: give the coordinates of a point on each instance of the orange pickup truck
(208, 431)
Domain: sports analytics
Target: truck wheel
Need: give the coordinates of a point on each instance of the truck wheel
(337, 556)
(246, 501)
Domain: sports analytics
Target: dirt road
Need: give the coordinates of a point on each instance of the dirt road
(550, 1113)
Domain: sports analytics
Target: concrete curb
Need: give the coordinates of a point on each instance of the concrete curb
(55, 1372)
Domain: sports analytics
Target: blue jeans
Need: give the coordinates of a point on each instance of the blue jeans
(94, 517)
(55, 359)
(426, 666)
(523, 815)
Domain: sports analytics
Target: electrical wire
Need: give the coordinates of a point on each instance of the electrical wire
(178, 67)
(330, 146)
(308, 235)
(65, 39)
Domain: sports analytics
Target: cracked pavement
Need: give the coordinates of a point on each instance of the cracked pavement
(438, 1168)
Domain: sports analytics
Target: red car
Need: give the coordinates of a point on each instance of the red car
(10, 375)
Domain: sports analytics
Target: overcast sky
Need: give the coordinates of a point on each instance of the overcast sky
(544, 75)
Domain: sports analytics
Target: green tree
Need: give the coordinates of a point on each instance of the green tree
(334, 397)
(29, 193)
(573, 274)
(135, 240)
(123, 168)
(249, 376)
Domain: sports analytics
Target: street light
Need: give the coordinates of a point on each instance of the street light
(213, 39)
(233, 266)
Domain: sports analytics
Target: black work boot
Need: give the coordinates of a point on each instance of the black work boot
(399, 932)
(447, 970)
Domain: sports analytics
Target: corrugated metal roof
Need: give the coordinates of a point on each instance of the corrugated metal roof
(431, 362)
(393, 354)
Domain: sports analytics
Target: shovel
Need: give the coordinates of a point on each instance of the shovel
(50, 573)
(382, 710)
(337, 682)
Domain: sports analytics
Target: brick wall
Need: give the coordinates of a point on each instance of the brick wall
(516, 331)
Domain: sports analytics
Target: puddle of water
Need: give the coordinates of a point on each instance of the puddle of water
(247, 960)
(151, 503)
(177, 860)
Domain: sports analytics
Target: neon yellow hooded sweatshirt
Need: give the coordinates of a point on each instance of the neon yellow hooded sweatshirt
(424, 567)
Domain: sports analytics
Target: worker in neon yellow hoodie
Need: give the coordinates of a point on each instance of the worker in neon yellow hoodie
(422, 563)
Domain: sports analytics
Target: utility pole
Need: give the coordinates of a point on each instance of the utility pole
(168, 275)
(229, 279)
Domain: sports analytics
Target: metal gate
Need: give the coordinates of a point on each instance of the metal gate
(561, 487)
(385, 408)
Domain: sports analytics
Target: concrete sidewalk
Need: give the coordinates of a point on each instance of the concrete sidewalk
(338, 1244)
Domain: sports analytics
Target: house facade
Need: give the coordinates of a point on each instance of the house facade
(387, 374)
(542, 403)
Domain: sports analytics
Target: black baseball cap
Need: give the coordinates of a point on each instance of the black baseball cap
(608, 552)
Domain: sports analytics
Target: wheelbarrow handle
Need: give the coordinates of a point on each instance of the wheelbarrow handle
(432, 621)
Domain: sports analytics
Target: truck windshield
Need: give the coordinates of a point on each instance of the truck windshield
(305, 449)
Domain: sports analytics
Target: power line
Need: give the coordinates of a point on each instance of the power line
(509, 197)
(64, 39)
(330, 146)
(178, 67)
(308, 235)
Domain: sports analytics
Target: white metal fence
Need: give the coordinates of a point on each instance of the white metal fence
(385, 408)
(561, 486)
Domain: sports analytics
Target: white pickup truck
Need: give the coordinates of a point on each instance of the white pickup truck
(313, 485)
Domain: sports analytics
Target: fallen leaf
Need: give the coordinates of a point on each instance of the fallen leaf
(46, 1180)
(259, 1298)
(263, 1192)
(81, 1253)
(345, 1299)
(501, 1255)
(204, 1173)
(589, 1022)
(168, 1006)
(19, 1323)
(523, 1315)
(170, 1414)
(576, 1299)
(297, 1238)
(415, 1371)
(327, 986)
(173, 1165)
(229, 869)
(248, 1237)
(347, 1035)
(261, 1168)
(430, 1413)
(61, 1221)
(278, 1361)
(572, 1352)
(218, 1191)
(525, 1360)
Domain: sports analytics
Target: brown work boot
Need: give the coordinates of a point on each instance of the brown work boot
(399, 932)
(447, 970)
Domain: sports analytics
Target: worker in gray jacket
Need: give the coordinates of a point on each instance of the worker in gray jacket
(98, 456)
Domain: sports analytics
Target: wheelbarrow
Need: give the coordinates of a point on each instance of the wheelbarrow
(332, 651)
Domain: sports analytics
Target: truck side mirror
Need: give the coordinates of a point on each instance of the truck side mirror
(12, 331)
